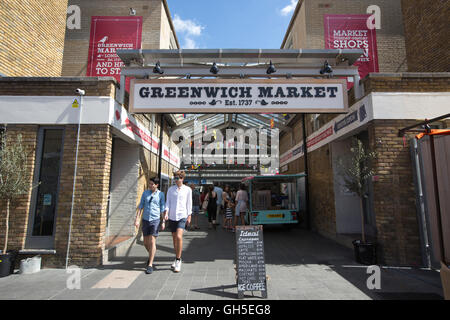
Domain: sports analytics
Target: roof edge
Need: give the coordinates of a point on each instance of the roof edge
(166, 7)
(291, 23)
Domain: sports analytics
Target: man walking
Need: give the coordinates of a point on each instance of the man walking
(219, 191)
(152, 205)
(178, 212)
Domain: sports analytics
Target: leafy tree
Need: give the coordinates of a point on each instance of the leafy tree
(356, 174)
(14, 177)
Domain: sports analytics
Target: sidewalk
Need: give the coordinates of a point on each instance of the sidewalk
(300, 266)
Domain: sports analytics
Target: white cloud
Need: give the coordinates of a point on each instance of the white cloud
(289, 8)
(187, 29)
(189, 43)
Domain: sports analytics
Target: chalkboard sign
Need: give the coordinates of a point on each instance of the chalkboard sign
(250, 265)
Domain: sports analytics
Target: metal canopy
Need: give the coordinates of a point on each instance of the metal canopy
(237, 63)
(221, 121)
(239, 57)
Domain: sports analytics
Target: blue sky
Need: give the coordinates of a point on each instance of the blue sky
(229, 24)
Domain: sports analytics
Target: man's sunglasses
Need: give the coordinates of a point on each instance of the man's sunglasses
(177, 177)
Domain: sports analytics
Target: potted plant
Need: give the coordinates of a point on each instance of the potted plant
(356, 174)
(14, 181)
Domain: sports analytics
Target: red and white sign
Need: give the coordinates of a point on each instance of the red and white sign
(170, 156)
(109, 34)
(132, 128)
(351, 32)
(136, 131)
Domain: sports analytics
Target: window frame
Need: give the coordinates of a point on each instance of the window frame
(43, 242)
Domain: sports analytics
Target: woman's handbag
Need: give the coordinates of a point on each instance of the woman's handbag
(205, 203)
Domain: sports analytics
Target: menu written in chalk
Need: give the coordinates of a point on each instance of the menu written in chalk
(250, 265)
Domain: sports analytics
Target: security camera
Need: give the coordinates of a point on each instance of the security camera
(80, 92)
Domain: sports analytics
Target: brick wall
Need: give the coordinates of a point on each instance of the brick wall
(394, 194)
(91, 195)
(37, 86)
(76, 47)
(19, 209)
(90, 208)
(321, 196)
(426, 34)
(394, 198)
(32, 37)
(407, 82)
(309, 34)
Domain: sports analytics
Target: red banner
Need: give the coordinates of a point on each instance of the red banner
(351, 32)
(109, 34)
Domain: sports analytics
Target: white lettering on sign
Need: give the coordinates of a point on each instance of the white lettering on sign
(249, 96)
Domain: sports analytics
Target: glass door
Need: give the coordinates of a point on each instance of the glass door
(41, 231)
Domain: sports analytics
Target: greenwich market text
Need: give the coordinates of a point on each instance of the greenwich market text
(238, 92)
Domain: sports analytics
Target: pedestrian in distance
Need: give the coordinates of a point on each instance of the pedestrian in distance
(219, 191)
(178, 214)
(211, 207)
(195, 207)
(229, 206)
(150, 211)
(241, 205)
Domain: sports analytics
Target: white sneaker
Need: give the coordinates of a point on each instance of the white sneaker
(177, 266)
(173, 264)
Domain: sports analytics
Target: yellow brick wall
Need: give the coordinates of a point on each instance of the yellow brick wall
(77, 41)
(32, 37)
(308, 28)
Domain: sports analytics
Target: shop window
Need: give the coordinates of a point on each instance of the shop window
(44, 199)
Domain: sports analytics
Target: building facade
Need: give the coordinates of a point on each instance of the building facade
(306, 29)
(117, 152)
(157, 29)
(32, 37)
(425, 24)
(392, 100)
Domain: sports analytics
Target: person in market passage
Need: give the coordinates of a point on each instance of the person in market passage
(219, 191)
(195, 207)
(241, 205)
(229, 206)
(178, 213)
(211, 208)
(150, 211)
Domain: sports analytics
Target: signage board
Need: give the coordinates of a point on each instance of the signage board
(250, 263)
(239, 96)
(109, 34)
(351, 32)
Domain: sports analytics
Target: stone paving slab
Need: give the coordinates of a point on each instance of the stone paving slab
(300, 265)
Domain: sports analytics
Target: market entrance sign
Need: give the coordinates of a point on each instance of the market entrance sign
(239, 96)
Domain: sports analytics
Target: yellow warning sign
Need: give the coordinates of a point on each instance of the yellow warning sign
(75, 104)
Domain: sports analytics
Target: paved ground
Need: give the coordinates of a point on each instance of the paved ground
(300, 265)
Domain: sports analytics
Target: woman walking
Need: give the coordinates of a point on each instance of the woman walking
(229, 205)
(211, 197)
(241, 206)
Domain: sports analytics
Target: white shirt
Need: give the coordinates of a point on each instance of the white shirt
(179, 202)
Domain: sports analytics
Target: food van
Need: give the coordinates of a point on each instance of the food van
(274, 199)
